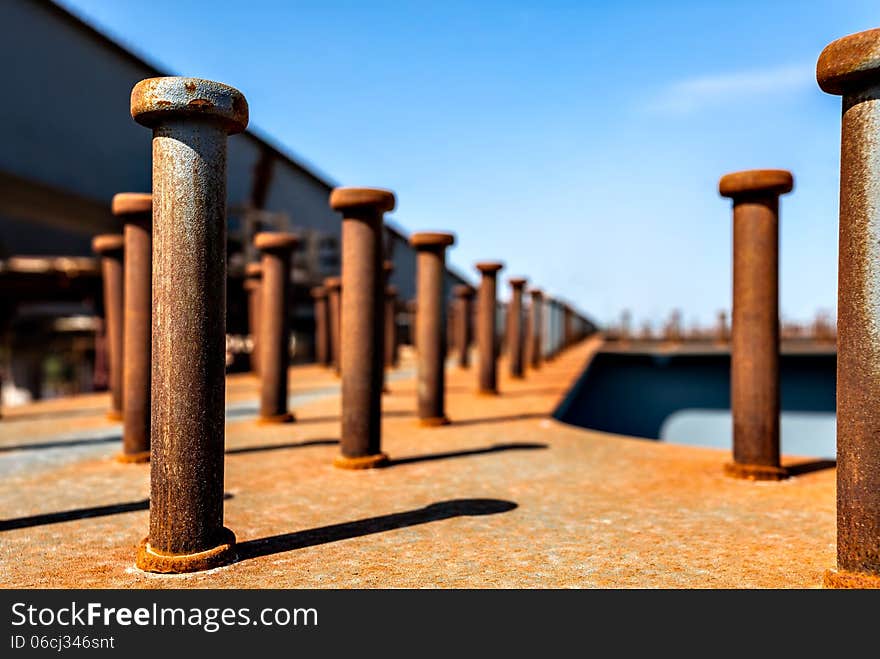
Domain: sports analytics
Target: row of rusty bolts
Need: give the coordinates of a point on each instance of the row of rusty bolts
(191, 118)
(165, 291)
(849, 67)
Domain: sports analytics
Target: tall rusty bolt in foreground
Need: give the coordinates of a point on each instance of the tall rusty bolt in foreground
(536, 329)
(391, 351)
(276, 249)
(334, 316)
(464, 298)
(487, 383)
(850, 67)
(110, 246)
(253, 280)
(136, 211)
(754, 367)
(431, 325)
(515, 327)
(362, 327)
(191, 119)
(322, 326)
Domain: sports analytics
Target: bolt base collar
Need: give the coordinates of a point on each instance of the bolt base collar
(149, 560)
(361, 462)
(287, 417)
(755, 472)
(843, 580)
(434, 421)
(133, 458)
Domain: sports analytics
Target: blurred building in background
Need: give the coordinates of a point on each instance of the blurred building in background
(69, 144)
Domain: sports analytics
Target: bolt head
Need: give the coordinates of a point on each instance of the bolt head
(275, 241)
(131, 203)
(318, 292)
(391, 291)
(388, 266)
(537, 293)
(155, 100)
(347, 199)
(850, 63)
(432, 239)
(463, 290)
(333, 283)
(253, 270)
(489, 266)
(756, 181)
(107, 243)
(517, 282)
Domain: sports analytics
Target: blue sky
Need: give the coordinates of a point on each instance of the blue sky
(579, 142)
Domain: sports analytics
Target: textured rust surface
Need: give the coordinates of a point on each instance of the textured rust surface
(850, 64)
(754, 374)
(253, 274)
(431, 323)
(136, 211)
(362, 327)
(585, 509)
(334, 315)
(487, 382)
(536, 329)
(189, 308)
(277, 250)
(851, 67)
(515, 336)
(464, 300)
(322, 326)
(111, 247)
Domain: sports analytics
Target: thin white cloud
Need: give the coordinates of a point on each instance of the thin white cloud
(694, 94)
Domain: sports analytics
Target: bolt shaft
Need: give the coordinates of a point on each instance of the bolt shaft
(136, 212)
(464, 298)
(112, 271)
(536, 330)
(274, 325)
(515, 328)
(431, 327)
(487, 329)
(391, 355)
(334, 299)
(322, 326)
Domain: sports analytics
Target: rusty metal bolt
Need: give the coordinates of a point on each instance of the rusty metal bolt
(388, 334)
(322, 326)
(136, 211)
(362, 327)
(722, 331)
(515, 326)
(276, 249)
(253, 279)
(334, 316)
(536, 329)
(431, 325)
(464, 300)
(110, 247)
(190, 119)
(391, 353)
(754, 368)
(487, 382)
(850, 67)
